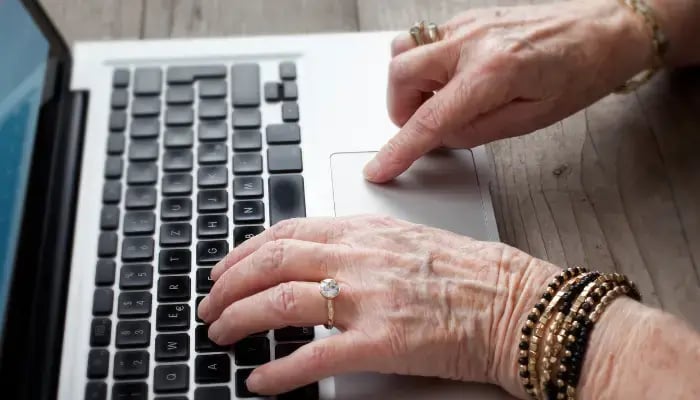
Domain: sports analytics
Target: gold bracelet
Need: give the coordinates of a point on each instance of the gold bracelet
(659, 44)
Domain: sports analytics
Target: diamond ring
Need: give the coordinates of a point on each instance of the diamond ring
(329, 289)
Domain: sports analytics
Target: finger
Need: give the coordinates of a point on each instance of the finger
(458, 103)
(309, 229)
(416, 72)
(273, 263)
(312, 362)
(287, 304)
(401, 43)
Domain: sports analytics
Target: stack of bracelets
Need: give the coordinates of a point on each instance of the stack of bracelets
(555, 335)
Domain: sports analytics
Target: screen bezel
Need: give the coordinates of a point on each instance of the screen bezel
(33, 327)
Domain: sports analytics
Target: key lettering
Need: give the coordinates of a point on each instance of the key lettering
(174, 287)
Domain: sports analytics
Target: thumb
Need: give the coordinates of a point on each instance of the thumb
(422, 133)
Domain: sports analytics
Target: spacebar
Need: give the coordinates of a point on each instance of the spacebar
(286, 197)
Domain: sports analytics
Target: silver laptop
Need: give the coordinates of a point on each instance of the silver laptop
(144, 162)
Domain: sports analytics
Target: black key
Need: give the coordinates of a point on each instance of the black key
(307, 392)
(117, 121)
(173, 317)
(212, 109)
(143, 128)
(132, 334)
(174, 288)
(212, 393)
(242, 375)
(171, 378)
(109, 218)
(172, 398)
(212, 88)
(209, 252)
(180, 94)
(288, 70)
(115, 143)
(285, 349)
(130, 364)
(212, 368)
(143, 150)
(246, 118)
(136, 276)
(174, 261)
(187, 74)
(120, 78)
(289, 91)
(134, 305)
(243, 233)
(287, 199)
(107, 244)
(96, 391)
(177, 160)
(212, 177)
(137, 249)
(247, 187)
(290, 112)
(145, 107)
(212, 201)
(179, 116)
(120, 99)
(130, 391)
(104, 272)
(142, 173)
(293, 333)
(204, 281)
(177, 184)
(196, 307)
(179, 137)
(273, 91)
(139, 223)
(248, 212)
(98, 363)
(148, 81)
(282, 159)
(252, 351)
(247, 164)
(212, 226)
(212, 153)
(138, 198)
(247, 140)
(283, 134)
(212, 131)
(172, 347)
(176, 234)
(100, 332)
(173, 209)
(113, 167)
(202, 343)
(112, 192)
(245, 85)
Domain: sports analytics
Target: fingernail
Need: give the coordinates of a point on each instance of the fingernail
(214, 332)
(371, 169)
(203, 309)
(253, 383)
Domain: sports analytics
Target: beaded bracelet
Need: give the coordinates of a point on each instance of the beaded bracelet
(527, 359)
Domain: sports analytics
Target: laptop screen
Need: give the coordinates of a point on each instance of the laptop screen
(24, 51)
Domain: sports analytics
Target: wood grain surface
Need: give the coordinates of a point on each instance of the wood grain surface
(615, 186)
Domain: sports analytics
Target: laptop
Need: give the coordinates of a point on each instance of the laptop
(129, 168)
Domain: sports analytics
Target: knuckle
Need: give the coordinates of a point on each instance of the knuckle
(398, 68)
(273, 254)
(429, 118)
(284, 229)
(284, 300)
(320, 355)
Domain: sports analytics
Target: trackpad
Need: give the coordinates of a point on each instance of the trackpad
(440, 190)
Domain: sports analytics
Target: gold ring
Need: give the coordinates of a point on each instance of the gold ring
(423, 33)
(329, 289)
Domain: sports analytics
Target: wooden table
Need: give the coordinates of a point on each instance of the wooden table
(616, 186)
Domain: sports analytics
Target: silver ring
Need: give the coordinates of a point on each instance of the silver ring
(329, 289)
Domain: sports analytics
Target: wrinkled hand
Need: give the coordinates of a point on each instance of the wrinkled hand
(503, 72)
(414, 300)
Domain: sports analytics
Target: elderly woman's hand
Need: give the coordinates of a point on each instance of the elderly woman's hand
(414, 300)
(502, 72)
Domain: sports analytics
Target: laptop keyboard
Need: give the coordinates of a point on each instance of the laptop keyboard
(188, 175)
